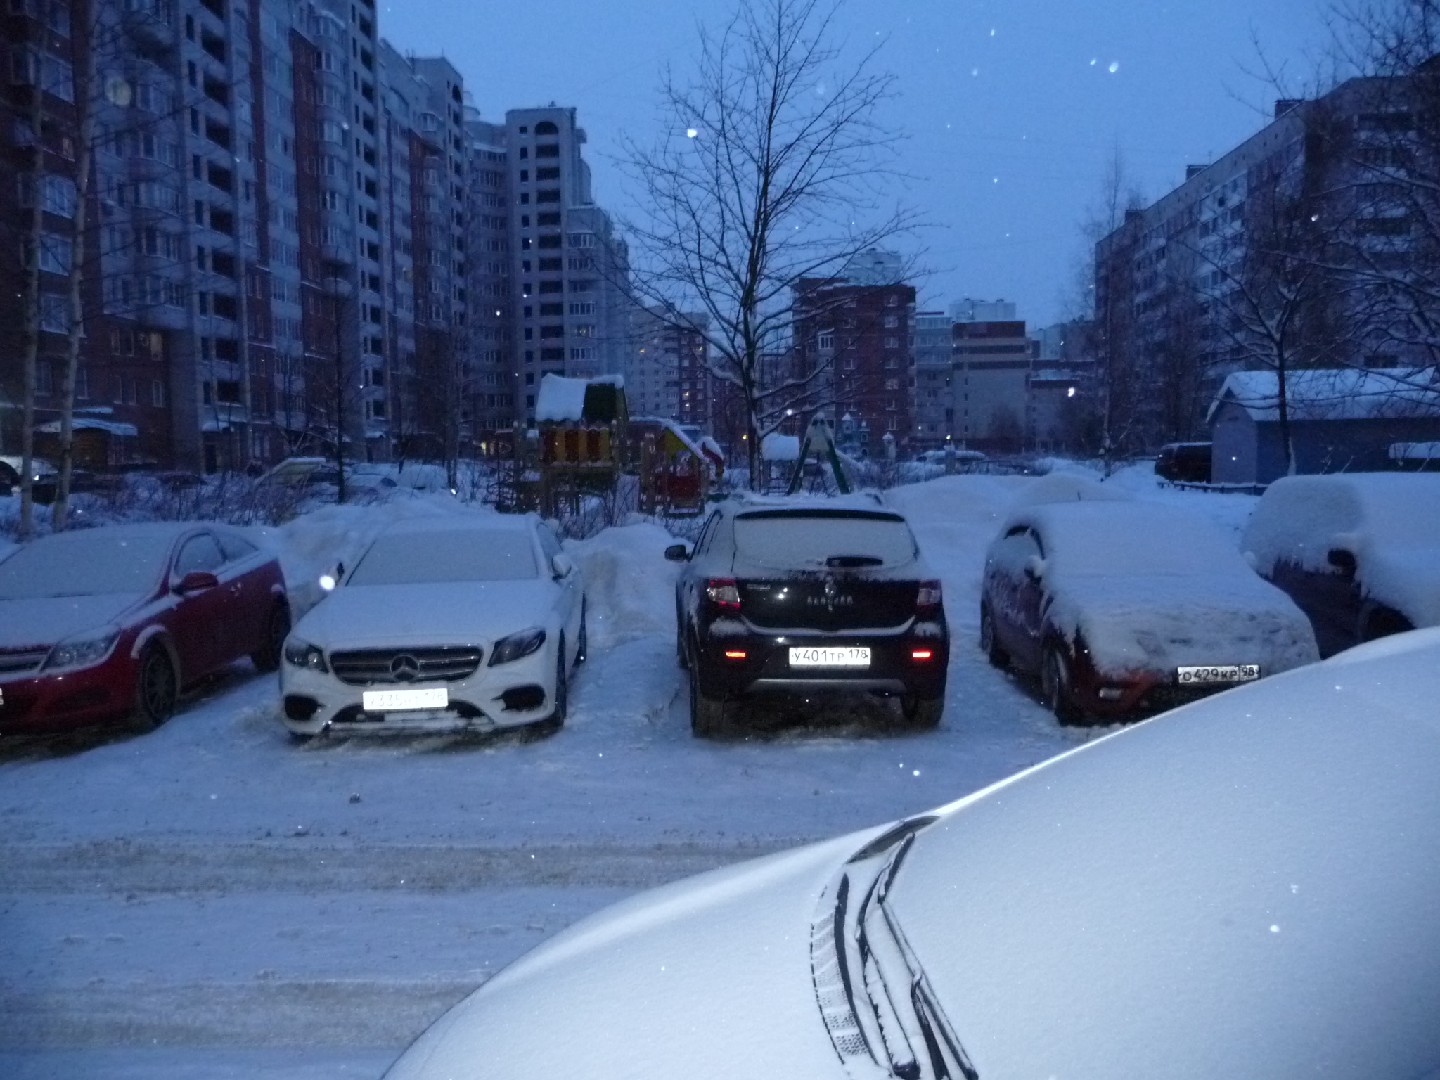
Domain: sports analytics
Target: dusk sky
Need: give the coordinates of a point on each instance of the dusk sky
(1011, 109)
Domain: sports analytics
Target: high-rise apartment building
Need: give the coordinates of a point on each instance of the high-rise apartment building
(567, 266)
(487, 244)
(989, 384)
(668, 374)
(296, 237)
(934, 404)
(854, 341)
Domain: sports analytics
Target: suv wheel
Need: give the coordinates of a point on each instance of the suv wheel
(707, 715)
(922, 714)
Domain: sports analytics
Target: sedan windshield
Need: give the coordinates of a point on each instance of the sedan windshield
(87, 563)
(426, 558)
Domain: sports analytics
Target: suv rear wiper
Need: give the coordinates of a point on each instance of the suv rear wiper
(851, 562)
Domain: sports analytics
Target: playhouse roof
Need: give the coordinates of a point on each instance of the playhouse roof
(562, 399)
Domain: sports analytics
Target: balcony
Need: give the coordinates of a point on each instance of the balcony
(150, 22)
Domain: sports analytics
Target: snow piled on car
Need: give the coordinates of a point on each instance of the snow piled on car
(1151, 588)
(1389, 522)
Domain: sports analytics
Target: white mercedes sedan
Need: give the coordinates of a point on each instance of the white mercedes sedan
(443, 625)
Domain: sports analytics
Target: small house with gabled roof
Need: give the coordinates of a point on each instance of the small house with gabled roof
(1341, 420)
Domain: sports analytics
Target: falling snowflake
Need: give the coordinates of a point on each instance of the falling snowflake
(1114, 66)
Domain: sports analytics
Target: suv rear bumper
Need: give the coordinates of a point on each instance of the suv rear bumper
(765, 666)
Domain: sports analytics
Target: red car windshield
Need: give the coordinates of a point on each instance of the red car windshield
(84, 564)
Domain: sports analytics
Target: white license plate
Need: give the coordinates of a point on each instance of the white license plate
(843, 656)
(1224, 673)
(390, 700)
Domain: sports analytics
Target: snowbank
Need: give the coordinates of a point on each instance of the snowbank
(629, 587)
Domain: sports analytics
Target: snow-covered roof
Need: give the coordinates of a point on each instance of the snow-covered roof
(561, 398)
(87, 423)
(777, 447)
(1334, 393)
(711, 447)
(1415, 451)
(673, 428)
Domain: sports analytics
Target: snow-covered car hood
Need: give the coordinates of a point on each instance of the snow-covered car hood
(468, 613)
(707, 979)
(1404, 577)
(47, 619)
(1157, 623)
(1246, 885)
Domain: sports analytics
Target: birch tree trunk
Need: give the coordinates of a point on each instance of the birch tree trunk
(84, 152)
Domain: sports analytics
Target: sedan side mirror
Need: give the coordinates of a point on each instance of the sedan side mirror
(677, 552)
(196, 581)
(1034, 568)
(1342, 560)
(561, 566)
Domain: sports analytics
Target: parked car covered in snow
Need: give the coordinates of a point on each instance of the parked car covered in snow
(809, 595)
(1359, 552)
(103, 624)
(1120, 607)
(1246, 885)
(444, 624)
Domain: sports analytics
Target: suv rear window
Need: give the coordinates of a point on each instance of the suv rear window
(821, 538)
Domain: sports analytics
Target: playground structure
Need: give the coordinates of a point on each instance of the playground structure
(675, 471)
(575, 450)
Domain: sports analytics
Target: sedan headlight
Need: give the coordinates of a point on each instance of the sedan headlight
(519, 645)
(302, 654)
(82, 650)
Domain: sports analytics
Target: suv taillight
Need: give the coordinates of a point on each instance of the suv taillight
(723, 593)
(928, 600)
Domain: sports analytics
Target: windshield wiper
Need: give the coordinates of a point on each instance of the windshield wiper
(888, 1010)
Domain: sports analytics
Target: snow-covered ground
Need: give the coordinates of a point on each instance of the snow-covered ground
(212, 901)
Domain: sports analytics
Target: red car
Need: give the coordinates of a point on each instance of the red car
(112, 623)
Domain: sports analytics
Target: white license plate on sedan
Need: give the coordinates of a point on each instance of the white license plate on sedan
(392, 700)
(844, 656)
(1222, 673)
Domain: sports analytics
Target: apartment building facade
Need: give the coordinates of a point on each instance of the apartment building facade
(1182, 285)
(854, 342)
(668, 373)
(568, 266)
(294, 237)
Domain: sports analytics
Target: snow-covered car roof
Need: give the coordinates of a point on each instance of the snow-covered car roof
(1126, 537)
(1390, 522)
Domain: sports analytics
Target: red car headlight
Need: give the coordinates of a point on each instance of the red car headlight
(82, 650)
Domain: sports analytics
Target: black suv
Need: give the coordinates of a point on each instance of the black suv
(1184, 462)
(804, 596)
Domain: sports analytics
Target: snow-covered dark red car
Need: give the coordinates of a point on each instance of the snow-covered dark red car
(113, 623)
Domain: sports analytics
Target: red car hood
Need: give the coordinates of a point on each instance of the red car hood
(44, 620)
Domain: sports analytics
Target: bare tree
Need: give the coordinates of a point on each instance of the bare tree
(1118, 358)
(1276, 291)
(770, 170)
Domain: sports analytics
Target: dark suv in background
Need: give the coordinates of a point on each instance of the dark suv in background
(806, 596)
(1184, 462)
